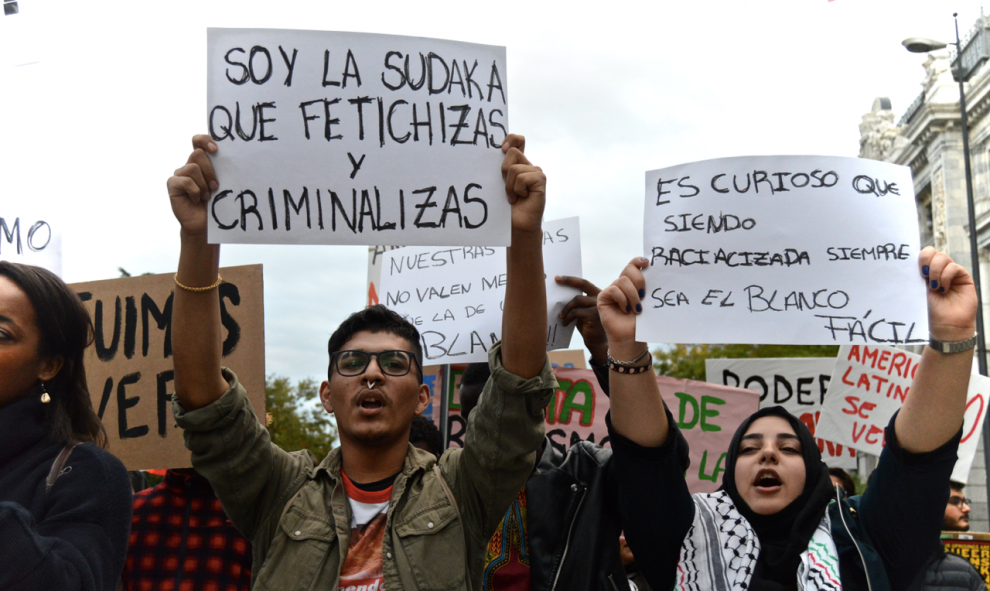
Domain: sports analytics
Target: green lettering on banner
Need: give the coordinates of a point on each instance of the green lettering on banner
(706, 413)
(686, 399)
(586, 408)
(715, 472)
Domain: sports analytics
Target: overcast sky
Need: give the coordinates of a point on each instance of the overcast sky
(603, 92)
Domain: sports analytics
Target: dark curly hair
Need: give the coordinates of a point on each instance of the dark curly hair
(65, 330)
(375, 319)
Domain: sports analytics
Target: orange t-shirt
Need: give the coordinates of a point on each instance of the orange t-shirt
(362, 570)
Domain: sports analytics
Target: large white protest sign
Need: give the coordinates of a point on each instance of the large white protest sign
(351, 138)
(798, 384)
(30, 238)
(782, 249)
(454, 296)
(869, 384)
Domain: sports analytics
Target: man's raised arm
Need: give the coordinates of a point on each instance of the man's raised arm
(524, 317)
(196, 334)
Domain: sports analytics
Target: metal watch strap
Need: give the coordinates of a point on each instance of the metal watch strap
(957, 347)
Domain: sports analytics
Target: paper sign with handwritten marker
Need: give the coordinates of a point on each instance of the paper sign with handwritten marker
(352, 138)
(869, 384)
(454, 296)
(782, 249)
(798, 384)
(31, 238)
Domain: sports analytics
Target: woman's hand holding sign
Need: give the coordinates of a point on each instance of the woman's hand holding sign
(933, 410)
(636, 409)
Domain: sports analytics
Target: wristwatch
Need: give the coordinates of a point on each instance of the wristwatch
(957, 347)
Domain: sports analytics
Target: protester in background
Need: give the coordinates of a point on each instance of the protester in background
(841, 479)
(65, 502)
(411, 522)
(181, 539)
(425, 435)
(561, 529)
(956, 509)
(775, 524)
(946, 571)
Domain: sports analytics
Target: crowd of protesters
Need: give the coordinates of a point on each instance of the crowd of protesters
(389, 509)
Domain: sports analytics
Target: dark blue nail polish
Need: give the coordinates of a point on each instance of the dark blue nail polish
(934, 284)
(642, 293)
(628, 309)
(639, 307)
(924, 270)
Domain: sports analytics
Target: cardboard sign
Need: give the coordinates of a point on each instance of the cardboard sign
(798, 384)
(869, 384)
(801, 250)
(454, 295)
(129, 366)
(31, 239)
(707, 415)
(351, 138)
(974, 547)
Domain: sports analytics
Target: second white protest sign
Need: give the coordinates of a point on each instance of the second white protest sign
(800, 250)
(454, 295)
(349, 138)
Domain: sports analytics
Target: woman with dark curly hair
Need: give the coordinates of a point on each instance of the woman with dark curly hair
(65, 502)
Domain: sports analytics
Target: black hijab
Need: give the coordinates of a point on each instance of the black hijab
(785, 534)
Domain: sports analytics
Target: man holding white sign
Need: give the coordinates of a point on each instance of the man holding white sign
(377, 512)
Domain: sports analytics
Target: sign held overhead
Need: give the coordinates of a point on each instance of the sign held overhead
(801, 250)
(351, 138)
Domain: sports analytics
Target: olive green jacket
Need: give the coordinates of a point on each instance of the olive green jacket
(296, 514)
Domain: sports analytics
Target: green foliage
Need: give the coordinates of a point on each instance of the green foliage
(688, 361)
(297, 419)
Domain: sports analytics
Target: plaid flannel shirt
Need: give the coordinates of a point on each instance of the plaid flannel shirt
(181, 540)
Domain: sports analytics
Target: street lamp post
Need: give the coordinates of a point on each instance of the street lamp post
(919, 45)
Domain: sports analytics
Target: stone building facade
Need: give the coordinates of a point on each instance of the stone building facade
(928, 139)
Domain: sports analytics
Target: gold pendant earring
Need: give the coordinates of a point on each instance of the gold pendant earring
(45, 398)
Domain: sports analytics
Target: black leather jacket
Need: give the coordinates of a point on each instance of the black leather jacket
(573, 513)
(573, 527)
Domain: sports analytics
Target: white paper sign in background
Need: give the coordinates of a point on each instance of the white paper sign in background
(798, 384)
(351, 138)
(31, 238)
(812, 250)
(869, 384)
(454, 295)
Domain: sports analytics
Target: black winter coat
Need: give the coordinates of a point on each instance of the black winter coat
(73, 538)
(948, 572)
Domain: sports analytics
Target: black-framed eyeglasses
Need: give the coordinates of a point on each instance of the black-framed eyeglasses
(960, 501)
(393, 363)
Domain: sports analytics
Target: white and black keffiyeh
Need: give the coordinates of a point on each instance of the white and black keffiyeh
(721, 549)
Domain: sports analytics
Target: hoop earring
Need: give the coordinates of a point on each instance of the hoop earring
(45, 398)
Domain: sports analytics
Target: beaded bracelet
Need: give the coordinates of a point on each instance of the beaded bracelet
(629, 370)
(628, 367)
